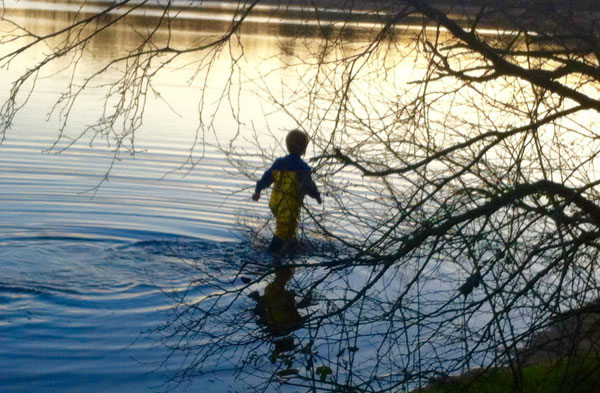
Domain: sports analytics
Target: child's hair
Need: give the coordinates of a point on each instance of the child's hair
(296, 142)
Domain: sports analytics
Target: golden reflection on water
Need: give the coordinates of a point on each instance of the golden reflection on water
(263, 80)
(276, 56)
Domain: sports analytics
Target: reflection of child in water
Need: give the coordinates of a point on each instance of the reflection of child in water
(291, 179)
(277, 307)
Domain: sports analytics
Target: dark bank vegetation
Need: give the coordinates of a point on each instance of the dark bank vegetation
(572, 375)
(459, 159)
(564, 357)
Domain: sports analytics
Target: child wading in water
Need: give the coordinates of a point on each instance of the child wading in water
(291, 179)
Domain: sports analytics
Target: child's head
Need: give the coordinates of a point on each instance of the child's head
(296, 142)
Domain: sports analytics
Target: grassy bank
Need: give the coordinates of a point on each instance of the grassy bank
(577, 375)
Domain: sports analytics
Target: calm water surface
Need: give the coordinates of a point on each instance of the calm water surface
(85, 262)
(82, 272)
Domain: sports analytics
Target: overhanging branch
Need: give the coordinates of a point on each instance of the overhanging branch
(541, 78)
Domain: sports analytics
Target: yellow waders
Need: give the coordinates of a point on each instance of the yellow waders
(285, 203)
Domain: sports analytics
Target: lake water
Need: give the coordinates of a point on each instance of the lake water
(84, 268)
(95, 242)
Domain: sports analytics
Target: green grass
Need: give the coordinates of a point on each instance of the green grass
(581, 375)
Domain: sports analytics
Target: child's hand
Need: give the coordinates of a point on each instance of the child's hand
(256, 196)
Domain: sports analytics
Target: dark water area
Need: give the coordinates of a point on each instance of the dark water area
(84, 274)
(81, 318)
(86, 264)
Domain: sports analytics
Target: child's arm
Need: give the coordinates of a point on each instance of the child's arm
(265, 181)
(309, 186)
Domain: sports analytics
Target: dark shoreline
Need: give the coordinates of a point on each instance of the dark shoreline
(297, 18)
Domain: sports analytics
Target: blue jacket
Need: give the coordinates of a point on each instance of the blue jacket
(290, 163)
